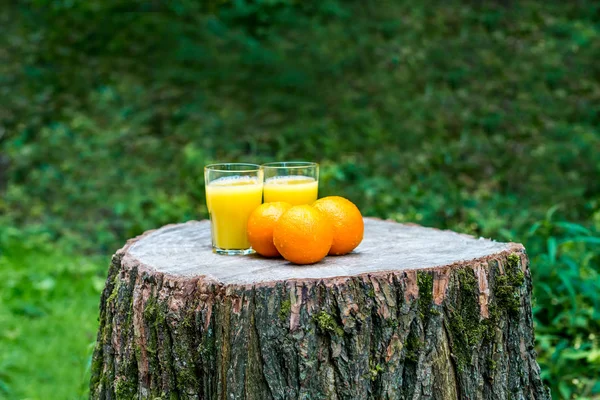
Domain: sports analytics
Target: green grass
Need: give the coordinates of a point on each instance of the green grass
(48, 314)
(565, 260)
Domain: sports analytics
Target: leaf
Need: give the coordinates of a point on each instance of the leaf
(551, 243)
(4, 388)
(98, 284)
(569, 286)
(594, 356)
(572, 354)
(573, 266)
(564, 389)
(551, 211)
(29, 310)
(574, 228)
(46, 284)
(534, 228)
(582, 239)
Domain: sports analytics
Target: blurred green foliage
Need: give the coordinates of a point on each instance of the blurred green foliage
(479, 117)
(48, 317)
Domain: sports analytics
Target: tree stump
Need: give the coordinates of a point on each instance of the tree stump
(413, 313)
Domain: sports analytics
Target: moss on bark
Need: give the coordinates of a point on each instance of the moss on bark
(360, 338)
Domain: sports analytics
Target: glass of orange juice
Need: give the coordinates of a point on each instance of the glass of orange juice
(233, 191)
(295, 182)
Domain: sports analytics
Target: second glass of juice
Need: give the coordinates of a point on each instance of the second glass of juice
(233, 191)
(295, 182)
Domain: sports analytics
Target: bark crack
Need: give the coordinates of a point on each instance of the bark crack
(171, 351)
(254, 336)
(455, 377)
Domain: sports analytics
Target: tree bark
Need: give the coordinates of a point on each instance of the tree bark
(404, 317)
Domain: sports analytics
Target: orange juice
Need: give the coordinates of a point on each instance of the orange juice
(295, 190)
(230, 202)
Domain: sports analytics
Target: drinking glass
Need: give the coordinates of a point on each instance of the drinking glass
(233, 191)
(295, 182)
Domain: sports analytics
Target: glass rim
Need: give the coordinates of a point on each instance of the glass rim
(290, 164)
(238, 167)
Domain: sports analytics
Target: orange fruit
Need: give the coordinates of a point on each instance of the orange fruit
(303, 235)
(260, 227)
(347, 221)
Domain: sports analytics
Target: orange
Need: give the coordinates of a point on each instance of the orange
(260, 227)
(303, 235)
(347, 221)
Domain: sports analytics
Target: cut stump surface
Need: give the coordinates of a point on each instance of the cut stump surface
(412, 313)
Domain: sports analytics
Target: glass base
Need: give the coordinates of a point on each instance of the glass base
(231, 252)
